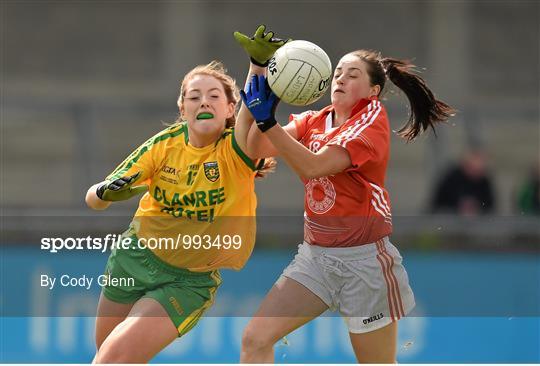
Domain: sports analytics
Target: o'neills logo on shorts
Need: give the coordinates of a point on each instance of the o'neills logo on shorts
(176, 305)
(373, 318)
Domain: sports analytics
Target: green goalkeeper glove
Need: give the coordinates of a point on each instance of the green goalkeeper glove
(262, 46)
(120, 189)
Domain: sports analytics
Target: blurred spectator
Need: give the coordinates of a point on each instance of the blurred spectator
(466, 188)
(528, 197)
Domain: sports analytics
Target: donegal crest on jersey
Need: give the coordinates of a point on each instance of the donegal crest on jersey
(211, 171)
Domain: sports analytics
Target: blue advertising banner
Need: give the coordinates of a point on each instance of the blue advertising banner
(57, 326)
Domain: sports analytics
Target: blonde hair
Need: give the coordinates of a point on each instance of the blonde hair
(217, 70)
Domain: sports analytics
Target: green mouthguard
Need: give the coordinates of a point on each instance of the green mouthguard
(205, 115)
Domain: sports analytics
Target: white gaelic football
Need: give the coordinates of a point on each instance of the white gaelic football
(299, 73)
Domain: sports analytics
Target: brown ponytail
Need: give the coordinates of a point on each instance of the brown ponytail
(426, 110)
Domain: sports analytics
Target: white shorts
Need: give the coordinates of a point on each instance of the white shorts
(367, 284)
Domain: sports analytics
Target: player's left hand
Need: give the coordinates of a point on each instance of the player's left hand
(261, 102)
(262, 46)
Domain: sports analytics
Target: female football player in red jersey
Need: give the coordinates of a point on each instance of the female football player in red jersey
(346, 262)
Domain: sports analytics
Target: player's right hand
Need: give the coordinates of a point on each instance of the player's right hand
(120, 189)
(262, 46)
(261, 102)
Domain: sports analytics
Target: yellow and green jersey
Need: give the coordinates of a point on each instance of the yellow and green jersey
(202, 200)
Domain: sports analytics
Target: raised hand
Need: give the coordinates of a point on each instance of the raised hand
(261, 46)
(261, 102)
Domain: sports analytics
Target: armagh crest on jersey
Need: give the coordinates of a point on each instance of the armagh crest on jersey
(336, 210)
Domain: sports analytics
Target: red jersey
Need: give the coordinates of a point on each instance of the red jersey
(352, 207)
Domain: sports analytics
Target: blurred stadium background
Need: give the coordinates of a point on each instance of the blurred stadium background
(84, 83)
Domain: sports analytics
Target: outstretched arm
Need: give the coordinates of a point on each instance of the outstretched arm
(260, 48)
(261, 103)
(100, 196)
(254, 146)
(93, 201)
(258, 145)
(307, 164)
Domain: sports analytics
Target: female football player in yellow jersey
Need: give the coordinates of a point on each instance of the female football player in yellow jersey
(197, 215)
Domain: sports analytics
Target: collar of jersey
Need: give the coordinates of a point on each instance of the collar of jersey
(206, 148)
(361, 104)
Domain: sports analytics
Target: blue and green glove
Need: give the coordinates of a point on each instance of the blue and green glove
(262, 46)
(261, 102)
(120, 189)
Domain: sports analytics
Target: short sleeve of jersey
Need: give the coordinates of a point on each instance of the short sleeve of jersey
(238, 158)
(301, 122)
(147, 157)
(365, 139)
